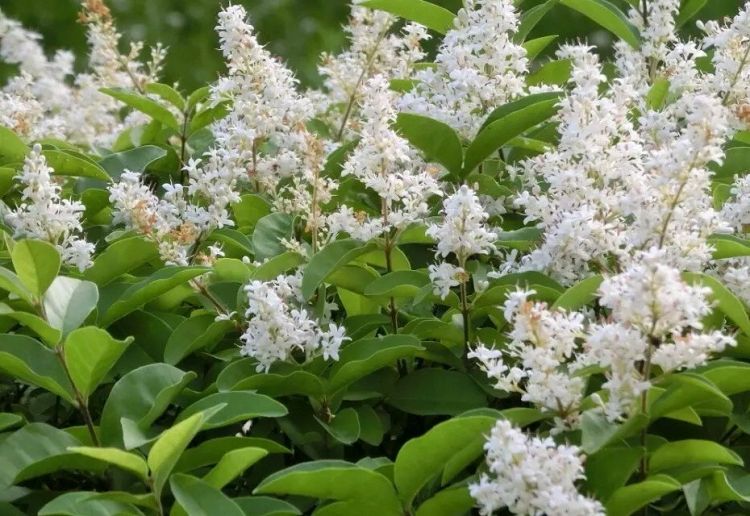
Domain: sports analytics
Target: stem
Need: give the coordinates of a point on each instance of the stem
(465, 315)
(645, 370)
(81, 401)
(360, 80)
(218, 305)
(389, 267)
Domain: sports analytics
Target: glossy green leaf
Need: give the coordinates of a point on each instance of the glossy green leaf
(48, 334)
(369, 491)
(12, 148)
(531, 17)
(141, 396)
(85, 503)
(68, 302)
(232, 465)
(437, 140)
(145, 105)
(210, 452)
(166, 451)
(124, 460)
(199, 498)
(448, 502)
(158, 283)
(433, 391)
(425, 13)
(11, 283)
(327, 260)
(90, 353)
(238, 406)
(344, 426)
(726, 301)
(266, 506)
(193, 334)
(166, 92)
(29, 361)
(688, 10)
(534, 47)
(269, 231)
(36, 263)
(629, 499)
(65, 163)
(608, 16)
(502, 126)
(691, 451)
(134, 160)
(579, 295)
(282, 380)
(365, 356)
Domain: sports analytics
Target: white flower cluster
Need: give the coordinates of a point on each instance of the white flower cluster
(373, 50)
(478, 68)
(260, 138)
(173, 223)
(530, 476)
(278, 324)
(385, 163)
(655, 319)
(43, 215)
(48, 100)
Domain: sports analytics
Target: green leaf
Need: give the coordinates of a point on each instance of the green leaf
(448, 502)
(193, 334)
(208, 116)
(508, 122)
(283, 379)
(689, 389)
(555, 72)
(232, 465)
(423, 458)
(121, 257)
(150, 288)
(608, 16)
(12, 148)
(144, 105)
(90, 353)
(735, 163)
(13, 284)
(8, 420)
(141, 396)
(729, 246)
(601, 478)
(135, 160)
(266, 506)
(268, 233)
(199, 498)
(238, 406)
(68, 302)
(398, 284)
(327, 260)
(344, 427)
(531, 17)
(210, 452)
(430, 15)
(166, 451)
(85, 503)
(250, 210)
(433, 391)
(66, 163)
(370, 492)
(438, 142)
(597, 432)
(628, 499)
(277, 265)
(117, 457)
(49, 335)
(579, 295)
(28, 360)
(535, 46)
(691, 451)
(36, 263)
(168, 93)
(688, 10)
(32, 445)
(365, 356)
(726, 301)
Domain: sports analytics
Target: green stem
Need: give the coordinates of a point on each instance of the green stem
(80, 399)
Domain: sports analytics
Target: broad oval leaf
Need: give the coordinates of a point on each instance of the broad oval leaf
(425, 13)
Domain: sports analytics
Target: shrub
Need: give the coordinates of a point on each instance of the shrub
(479, 280)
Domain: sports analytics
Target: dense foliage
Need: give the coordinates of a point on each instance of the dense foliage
(489, 282)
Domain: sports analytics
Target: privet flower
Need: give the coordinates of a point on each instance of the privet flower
(530, 476)
(278, 324)
(44, 215)
(261, 137)
(535, 362)
(478, 68)
(373, 50)
(385, 163)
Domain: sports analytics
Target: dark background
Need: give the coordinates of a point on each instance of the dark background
(296, 30)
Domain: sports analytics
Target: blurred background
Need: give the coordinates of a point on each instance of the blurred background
(296, 30)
